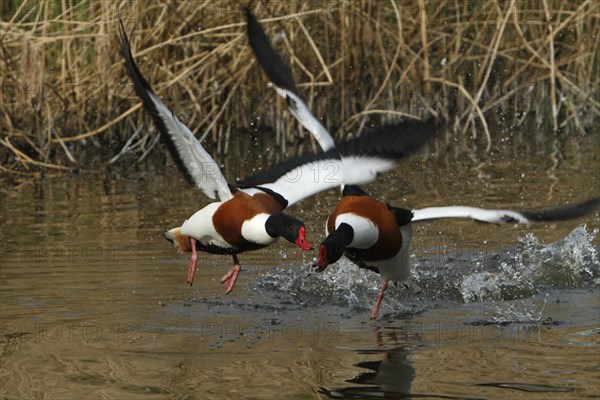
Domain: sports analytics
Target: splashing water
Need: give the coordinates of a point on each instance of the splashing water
(482, 286)
(341, 285)
(570, 262)
(522, 272)
(522, 313)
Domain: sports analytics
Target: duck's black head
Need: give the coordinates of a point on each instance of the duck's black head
(290, 228)
(332, 248)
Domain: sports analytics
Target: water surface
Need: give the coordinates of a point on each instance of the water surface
(94, 302)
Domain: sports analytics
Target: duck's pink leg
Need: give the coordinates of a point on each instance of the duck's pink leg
(229, 278)
(382, 289)
(193, 258)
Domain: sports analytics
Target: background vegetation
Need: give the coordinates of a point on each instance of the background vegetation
(478, 64)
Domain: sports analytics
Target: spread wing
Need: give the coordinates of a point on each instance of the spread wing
(281, 77)
(381, 148)
(354, 162)
(504, 216)
(300, 177)
(198, 164)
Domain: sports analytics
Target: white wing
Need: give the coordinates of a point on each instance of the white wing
(353, 162)
(298, 181)
(298, 178)
(364, 169)
(504, 216)
(478, 214)
(200, 166)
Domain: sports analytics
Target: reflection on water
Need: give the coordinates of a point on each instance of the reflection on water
(453, 358)
(389, 377)
(94, 302)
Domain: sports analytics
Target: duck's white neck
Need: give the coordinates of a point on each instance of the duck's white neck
(254, 230)
(365, 231)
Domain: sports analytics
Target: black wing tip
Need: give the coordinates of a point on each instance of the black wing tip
(124, 46)
(270, 61)
(140, 84)
(144, 91)
(249, 14)
(392, 141)
(563, 213)
(124, 43)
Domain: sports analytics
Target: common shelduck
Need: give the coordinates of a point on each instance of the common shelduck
(372, 233)
(376, 236)
(249, 215)
(241, 220)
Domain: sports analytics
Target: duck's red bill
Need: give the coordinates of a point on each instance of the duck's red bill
(301, 241)
(322, 262)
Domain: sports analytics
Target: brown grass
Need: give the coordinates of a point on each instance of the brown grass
(477, 64)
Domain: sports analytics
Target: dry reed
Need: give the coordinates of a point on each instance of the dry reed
(474, 63)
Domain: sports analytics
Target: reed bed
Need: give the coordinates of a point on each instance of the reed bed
(476, 64)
